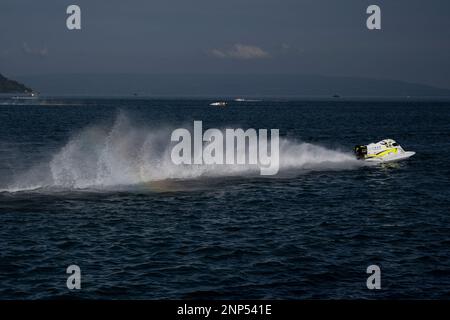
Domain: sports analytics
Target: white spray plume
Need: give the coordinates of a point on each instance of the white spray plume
(124, 154)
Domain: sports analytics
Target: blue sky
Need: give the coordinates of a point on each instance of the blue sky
(326, 37)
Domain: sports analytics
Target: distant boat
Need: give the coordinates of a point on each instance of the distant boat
(245, 100)
(336, 96)
(218, 104)
(31, 96)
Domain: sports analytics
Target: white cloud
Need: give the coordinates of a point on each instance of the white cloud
(241, 51)
(286, 48)
(42, 52)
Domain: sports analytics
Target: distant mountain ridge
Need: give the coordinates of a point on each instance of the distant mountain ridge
(232, 85)
(11, 86)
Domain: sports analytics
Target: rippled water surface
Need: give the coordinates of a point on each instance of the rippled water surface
(90, 182)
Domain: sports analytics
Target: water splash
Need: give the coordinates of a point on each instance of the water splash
(124, 154)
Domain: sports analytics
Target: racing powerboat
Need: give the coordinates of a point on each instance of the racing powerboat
(386, 150)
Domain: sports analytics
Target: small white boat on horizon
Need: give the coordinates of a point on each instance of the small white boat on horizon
(30, 96)
(218, 104)
(245, 100)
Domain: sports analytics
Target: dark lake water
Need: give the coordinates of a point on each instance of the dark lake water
(89, 182)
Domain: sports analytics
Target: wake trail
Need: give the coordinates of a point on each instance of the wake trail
(124, 154)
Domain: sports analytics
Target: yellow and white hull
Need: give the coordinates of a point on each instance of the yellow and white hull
(391, 157)
(386, 150)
